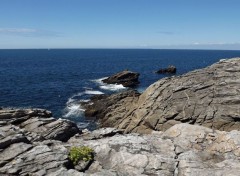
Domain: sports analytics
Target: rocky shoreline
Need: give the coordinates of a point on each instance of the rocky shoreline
(209, 97)
(180, 126)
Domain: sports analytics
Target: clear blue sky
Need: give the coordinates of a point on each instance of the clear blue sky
(206, 24)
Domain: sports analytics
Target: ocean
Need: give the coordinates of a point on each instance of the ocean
(59, 79)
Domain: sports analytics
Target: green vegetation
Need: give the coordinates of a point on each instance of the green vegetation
(80, 153)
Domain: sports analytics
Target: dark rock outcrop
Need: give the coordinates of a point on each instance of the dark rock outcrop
(101, 105)
(171, 69)
(126, 78)
(208, 97)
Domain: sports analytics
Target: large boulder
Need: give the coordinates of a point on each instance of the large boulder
(39, 123)
(208, 97)
(126, 78)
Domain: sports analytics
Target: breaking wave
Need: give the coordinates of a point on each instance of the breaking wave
(73, 107)
(93, 92)
(111, 87)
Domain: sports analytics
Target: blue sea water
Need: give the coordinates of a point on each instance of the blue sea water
(58, 79)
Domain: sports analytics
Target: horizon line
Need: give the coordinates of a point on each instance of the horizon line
(122, 49)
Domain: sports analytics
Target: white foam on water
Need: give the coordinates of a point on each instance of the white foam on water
(84, 100)
(75, 95)
(99, 81)
(73, 110)
(112, 87)
(73, 107)
(93, 92)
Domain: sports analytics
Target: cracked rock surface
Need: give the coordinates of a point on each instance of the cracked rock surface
(209, 97)
(182, 150)
(31, 142)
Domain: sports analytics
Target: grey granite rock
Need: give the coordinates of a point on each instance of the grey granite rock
(182, 150)
(13, 151)
(38, 124)
(11, 134)
(100, 133)
(40, 159)
(208, 97)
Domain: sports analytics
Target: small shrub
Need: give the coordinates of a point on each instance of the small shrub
(80, 153)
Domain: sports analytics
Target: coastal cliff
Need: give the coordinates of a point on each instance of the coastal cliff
(180, 126)
(209, 97)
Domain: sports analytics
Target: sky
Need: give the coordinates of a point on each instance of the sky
(163, 24)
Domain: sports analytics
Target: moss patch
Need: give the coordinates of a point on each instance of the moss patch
(83, 153)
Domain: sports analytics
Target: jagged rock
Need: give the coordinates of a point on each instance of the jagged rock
(126, 78)
(83, 165)
(130, 154)
(184, 149)
(65, 172)
(100, 133)
(171, 69)
(12, 151)
(38, 123)
(100, 107)
(40, 160)
(208, 97)
(10, 134)
(16, 116)
(20, 155)
(204, 151)
(51, 128)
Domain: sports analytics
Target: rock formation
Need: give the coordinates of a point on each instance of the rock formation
(26, 145)
(32, 142)
(208, 97)
(171, 69)
(126, 78)
(182, 150)
(101, 105)
(38, 124)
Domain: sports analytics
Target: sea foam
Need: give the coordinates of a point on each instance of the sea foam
(111, 87)
(73, 110)
(93, 92)
(73, 107)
